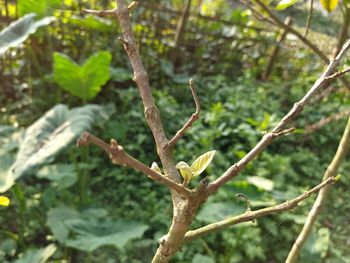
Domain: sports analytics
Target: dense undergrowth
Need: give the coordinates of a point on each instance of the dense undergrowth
(226, 62)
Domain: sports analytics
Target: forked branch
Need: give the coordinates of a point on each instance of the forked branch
(191, 120)
(119, 156)
(251, 215)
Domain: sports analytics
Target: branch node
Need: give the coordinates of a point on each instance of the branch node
(123, 41)
(133, 5)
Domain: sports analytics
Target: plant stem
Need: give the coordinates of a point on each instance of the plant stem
(20, 200)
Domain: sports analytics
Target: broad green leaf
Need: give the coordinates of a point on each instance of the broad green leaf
(283, 4)
(17, 32)
(155, 167)
(329, 5)
(261, 182)
(212, 212)
(202, 162)
(62, 175)
(37, 255)
(83, 81)
(185, 171)
(40, 7)
(88, 231)
(48, 136)
(4, 201)
(199, 258)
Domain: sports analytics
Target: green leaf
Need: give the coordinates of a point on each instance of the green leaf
(199, 258)
(202, 162)
(40, 7)
(88, 231)
(329, 5)
(17, 32)
(62, 175)
(83, 81)
(48, 136)
(185, 170)
(37, 255)
(93, 23)
(283, 4)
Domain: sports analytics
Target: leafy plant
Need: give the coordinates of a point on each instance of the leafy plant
(83, 81)
(37, 255)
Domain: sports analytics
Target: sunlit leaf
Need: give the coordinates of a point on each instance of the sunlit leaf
(329, 5)
(4, 201)
(37, 255)
(261, 182)
(83, 81)
(48, 136)
(283, 4)
(202, 162)
(40, 7)
(185, 170)
(17, 32)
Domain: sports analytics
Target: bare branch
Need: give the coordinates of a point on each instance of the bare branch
(191, 120)
(119, 156)
(309, 17)
(252, 215)
(269, 137)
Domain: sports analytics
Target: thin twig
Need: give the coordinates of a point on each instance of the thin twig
(119, 156)
(252, 215)
(101, 13)
(338, 74)
(309, 17)
(269, 137)
(191, 120)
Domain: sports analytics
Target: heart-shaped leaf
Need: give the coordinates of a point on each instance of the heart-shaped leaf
(201, 163)
(17, 32)
(83, 81)
(87, 232)
(48, 136)
(329, 5)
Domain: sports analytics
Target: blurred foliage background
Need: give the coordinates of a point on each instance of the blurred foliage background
(62, 73)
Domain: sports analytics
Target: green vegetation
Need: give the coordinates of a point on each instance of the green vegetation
(62, 73)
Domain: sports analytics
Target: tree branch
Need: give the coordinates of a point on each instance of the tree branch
(252, 215)
(119, 156)
(191, 120)
(269, 137)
